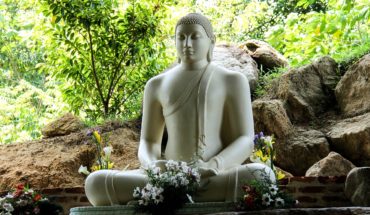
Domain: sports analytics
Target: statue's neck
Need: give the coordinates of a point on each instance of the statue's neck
(194, 66)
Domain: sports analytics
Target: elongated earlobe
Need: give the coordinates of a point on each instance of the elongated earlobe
(210, 51)
(209, 55)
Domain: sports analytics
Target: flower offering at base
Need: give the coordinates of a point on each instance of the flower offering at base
(104, 152)
(264, 152)
(264, 194)
(24, 200)
(167, 190)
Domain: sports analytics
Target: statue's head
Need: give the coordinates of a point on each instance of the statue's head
(194, 37)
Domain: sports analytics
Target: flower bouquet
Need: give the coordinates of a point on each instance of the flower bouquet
(104, 151)
(167, 190)
(24, 200)
(264, 152)
(263, 194)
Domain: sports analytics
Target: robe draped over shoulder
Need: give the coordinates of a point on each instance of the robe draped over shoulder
(194, 95)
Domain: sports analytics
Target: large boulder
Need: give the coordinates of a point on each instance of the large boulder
(332, 165)
(264, 54)
(66, 124)
(54, 162)
(351, 138)
(353, 90)
(307, 91)
(271, 118)
(357, 186)
(304, 148)
(235, 59)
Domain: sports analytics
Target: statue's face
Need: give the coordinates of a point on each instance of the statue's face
(192, 43)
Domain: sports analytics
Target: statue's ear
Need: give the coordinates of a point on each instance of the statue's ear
(210, 51)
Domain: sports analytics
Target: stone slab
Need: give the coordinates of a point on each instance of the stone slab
(306, 211)
(195, 208)
(219, 208)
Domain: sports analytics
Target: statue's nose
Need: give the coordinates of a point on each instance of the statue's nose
(188, 42)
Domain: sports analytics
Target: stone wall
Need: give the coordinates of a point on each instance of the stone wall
(309, 191)
(325, 191)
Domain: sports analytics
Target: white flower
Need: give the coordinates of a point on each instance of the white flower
(29, 191)
(172, 165)
(136, 193)
(266, 199)
(157, 195)
(142, 202)
(83, 170)
(9, 196)
(273, 189)
(173, 181)
(22, 202)
(148, 187)
(190, 198)
(268, 141)
(108, 150)
(8, 207)
(279, 202)
(156, 170)
(195, 174)
(183, 181)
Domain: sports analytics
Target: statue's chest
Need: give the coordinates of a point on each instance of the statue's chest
(189, 98)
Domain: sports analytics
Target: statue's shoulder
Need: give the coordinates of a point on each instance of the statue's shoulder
(228, 75)
(156, 81)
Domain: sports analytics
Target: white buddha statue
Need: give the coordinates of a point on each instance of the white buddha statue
(208, 115)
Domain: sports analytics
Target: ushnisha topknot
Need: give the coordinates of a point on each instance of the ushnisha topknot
(196, 18)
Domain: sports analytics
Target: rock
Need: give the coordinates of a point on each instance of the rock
(351, 138)
(264, 54)
(304, 148)
(353, 90)
(270, 118)
(327, 68)
(305, 91)
(357, 186)
(332, 165)
(235, 59)
(67, 124)
(54, 162)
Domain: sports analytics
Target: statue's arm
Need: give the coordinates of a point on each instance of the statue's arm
(152, 124)
(239, 107)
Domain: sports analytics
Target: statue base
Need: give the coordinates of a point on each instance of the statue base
(194, 208)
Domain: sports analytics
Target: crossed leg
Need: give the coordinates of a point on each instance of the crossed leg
(113, 187)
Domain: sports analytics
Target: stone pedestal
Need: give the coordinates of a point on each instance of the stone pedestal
(196, 208)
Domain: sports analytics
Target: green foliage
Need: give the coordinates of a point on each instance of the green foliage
(105, 52)
(265, 80)
(238, 20)
(28, 98)
(25, 109)
(20, 48)
(343, 28)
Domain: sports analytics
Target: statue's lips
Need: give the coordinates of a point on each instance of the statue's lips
(188, 52)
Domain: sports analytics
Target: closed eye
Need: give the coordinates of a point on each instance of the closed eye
(181, 37)
(195, 36)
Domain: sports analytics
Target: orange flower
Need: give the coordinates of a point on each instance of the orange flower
(20, 186)
(37, 197)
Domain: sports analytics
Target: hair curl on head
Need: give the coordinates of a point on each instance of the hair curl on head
(196, 18)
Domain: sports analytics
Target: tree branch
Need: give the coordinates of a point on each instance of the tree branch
(95, 73)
